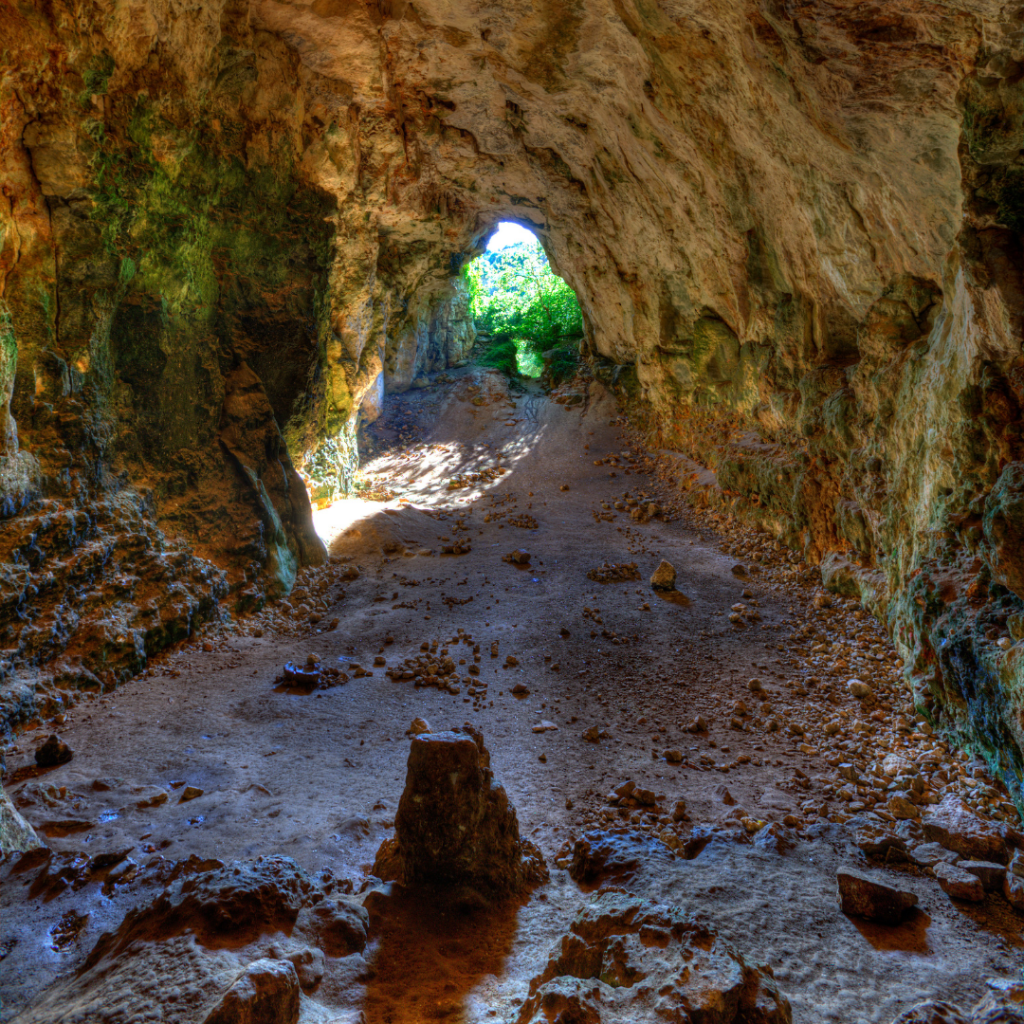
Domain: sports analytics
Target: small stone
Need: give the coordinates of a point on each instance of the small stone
(959, 884)
(520, 690)
(592, 735)
(419, 727)
(699, 724)
(739, 570)
(564, 487)
(679, 812)
(755, 685)
(864, 896)
(545, 726)
(674, 756)
(190, 793)
(664, 577)
(53, 752)
(901, 808)
(207, 647)
(158, 798)
(933, 1013)
(858, 688)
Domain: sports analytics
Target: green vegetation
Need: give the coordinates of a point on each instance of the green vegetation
(526, 309)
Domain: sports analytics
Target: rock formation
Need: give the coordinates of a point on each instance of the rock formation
(455, 826)
(794, 229)
(627, 959)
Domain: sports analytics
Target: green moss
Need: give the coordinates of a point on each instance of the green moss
(96, 77)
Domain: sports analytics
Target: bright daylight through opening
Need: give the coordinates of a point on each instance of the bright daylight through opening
(527, 318)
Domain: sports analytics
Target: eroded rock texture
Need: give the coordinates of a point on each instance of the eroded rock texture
(628, 959)
(456, 827)
(794, 228)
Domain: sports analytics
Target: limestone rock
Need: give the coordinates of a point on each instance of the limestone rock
(16, 834)
(53, 752)
(266, 993)
(989, 874)
(614, 854)
(664, 577)
(933, 1013)
(455, 825)
(955, 826)
(866, 896)
(626, 959)
(959, 884)
(339, 927)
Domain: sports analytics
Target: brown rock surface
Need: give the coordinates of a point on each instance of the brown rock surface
(205, 294)
(956, 827)
(869, 897)
(628, 959)
(455, 825)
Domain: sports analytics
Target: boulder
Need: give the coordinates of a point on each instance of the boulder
(990, 875)
(629, 960)
(955, 826)
(455, 824)
(864, 896)
(266, 993)
(959, 884)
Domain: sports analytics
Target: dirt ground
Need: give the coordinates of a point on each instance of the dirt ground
(317, 775)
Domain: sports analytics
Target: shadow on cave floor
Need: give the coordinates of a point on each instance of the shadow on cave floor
(429, 956)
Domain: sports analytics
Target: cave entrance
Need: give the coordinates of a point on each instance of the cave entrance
(527, 318)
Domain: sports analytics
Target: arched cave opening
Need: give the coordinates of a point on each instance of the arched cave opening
(394, 626)
(527, 318)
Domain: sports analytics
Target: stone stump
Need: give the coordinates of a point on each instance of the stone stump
(455, 825)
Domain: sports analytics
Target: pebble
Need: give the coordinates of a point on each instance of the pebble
(664, 577)
(419, 727)
(190, 793)
(858, 688)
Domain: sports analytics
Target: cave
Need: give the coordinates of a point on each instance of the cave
(668, 668)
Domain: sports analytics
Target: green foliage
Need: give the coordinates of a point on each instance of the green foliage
(502, 354)
(563, 365)
(527, 309)
(96, 77)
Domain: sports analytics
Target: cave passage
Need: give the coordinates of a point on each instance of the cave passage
(528, 317)
(511, 512)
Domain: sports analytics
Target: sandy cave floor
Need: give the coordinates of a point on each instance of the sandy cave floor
(317, 775)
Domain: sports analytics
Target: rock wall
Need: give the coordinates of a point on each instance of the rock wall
(794, 227)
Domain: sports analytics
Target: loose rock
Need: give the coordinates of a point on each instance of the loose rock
(867, 897)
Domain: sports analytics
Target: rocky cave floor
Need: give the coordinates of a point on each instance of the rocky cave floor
(753, 772)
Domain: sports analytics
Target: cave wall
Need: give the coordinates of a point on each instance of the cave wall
(794, 227)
